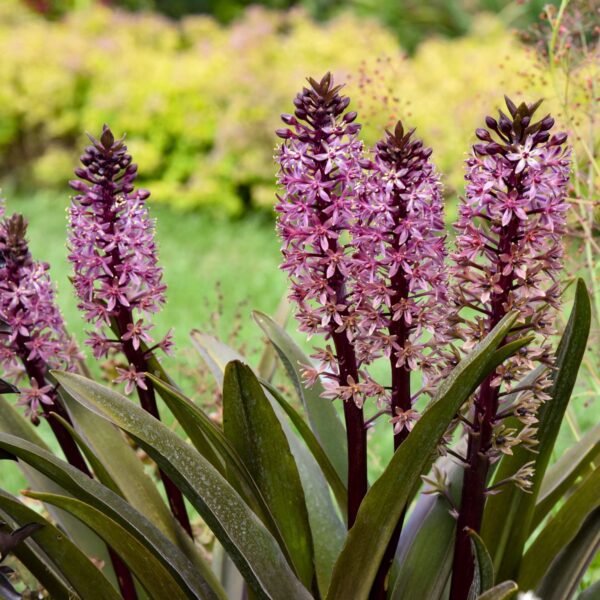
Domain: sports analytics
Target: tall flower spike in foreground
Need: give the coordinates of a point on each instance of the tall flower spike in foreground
(509, 252)
(116, 273)
(400, 278)
(319, 167)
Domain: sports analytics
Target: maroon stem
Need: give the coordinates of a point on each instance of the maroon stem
(401, 399)
(137, 358)
(356, 433)
(480, 439)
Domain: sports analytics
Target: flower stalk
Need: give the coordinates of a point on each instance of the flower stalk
(116, 275)
(319, 167)
(509, 252)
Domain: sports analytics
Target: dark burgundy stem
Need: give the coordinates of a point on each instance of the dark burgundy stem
(356, 433)
(480, 438)
(401, 399)
(147, 399)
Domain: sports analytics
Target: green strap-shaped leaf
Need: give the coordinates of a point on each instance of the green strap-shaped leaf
(60, 557)
(156, 580)
(254, 430)
(502, 591)
(248, 542)
(385, 501)
(337, 485)
(565, 471)
(14, 423)
(201, 430)
(562, 579)
(117, 466)
(483, 579)
(508, 517)
(559, 531)
(113, 506)
(322, 415)
(328, 531)
(426, 546)
(268, 361)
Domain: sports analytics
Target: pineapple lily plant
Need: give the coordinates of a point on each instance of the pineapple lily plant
(447, 343)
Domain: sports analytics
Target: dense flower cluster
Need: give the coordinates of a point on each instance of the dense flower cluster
(113, 251)
(398, 264)
(509, 247)
(37, 340)
(319, 169)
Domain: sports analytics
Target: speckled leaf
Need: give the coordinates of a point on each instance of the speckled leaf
(254, 430)
(60, 557)
(113, 506)
(156, 580)
(253, 548)
(502, 591)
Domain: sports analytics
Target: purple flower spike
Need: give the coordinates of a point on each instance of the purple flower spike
(37, 341)
(319, 169)
(117, 277)
(509, 253)
(112, 248)
(398, 266)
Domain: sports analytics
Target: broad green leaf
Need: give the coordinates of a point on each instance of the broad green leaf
(508, 516)
(502, 591)
(559, 531)
(156, 580)
(562, 579)
(116, 464)
(483, 579)
(565, 471)
(385, 501)
(254, 430)
(337, 485)
(200, 429)
(327, 528)
(322, 415)
(426, 545)
(14, 423)
(249, 543)
(113, 506)
(60, 557)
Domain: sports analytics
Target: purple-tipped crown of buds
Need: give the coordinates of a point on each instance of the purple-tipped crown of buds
(37, 340)
(112, 248)
(319, 163)
(399, 260)
(509, 242)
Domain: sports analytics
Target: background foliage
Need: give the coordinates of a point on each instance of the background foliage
(217, 91)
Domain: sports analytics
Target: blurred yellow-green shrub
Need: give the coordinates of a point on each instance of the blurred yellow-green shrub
(200, 101)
